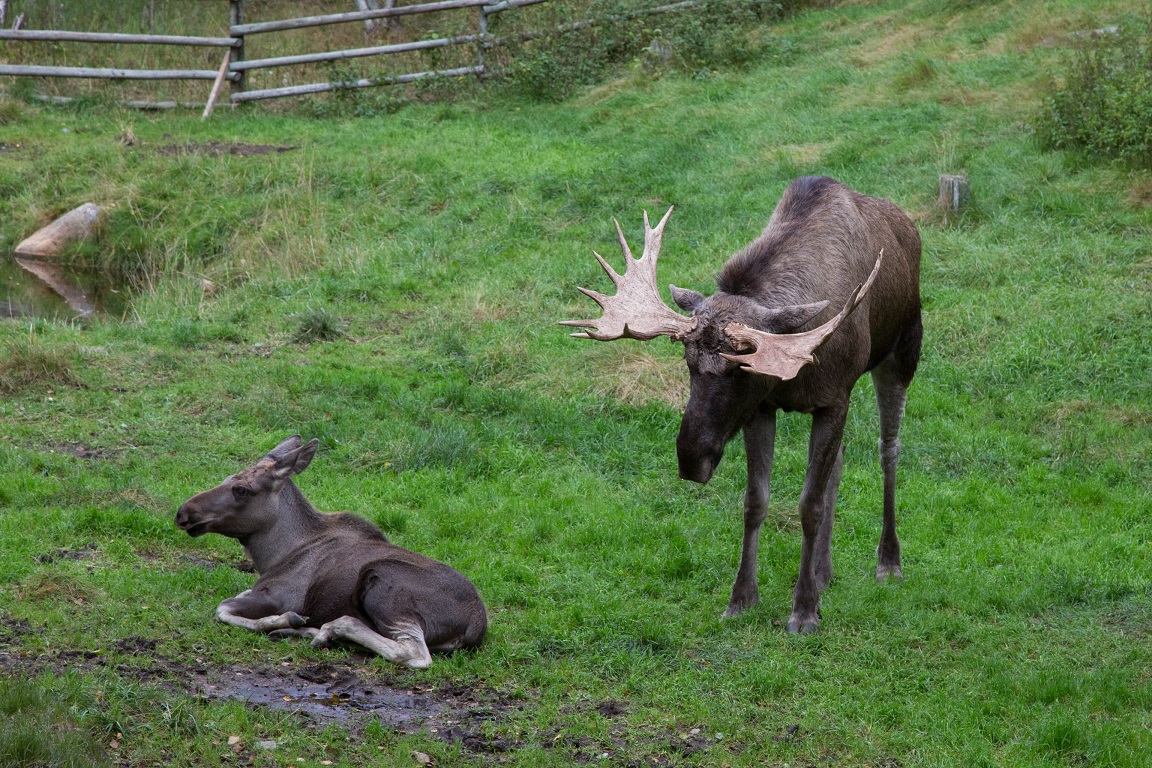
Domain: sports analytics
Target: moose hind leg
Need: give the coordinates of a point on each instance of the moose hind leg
(406, 645)
(759, 439)
(891, 395)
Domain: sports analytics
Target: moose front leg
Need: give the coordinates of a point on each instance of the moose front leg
(823, 457)
(258, 613)
(824, 536)
(759, 441)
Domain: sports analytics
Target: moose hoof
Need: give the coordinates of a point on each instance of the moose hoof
(884, 572)
(803, 624)
(296, 621)
(734, 609)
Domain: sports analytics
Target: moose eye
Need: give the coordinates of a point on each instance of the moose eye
(241, 493)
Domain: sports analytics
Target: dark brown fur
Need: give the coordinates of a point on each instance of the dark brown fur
(331, 576)
(820, 244)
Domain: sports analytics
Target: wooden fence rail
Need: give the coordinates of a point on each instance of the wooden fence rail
(115, 37)
(235, 66)
(30, 70)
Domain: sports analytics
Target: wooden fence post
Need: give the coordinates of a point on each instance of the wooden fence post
(953, 192)
(220, 77)
(235, 18)
(482, 42)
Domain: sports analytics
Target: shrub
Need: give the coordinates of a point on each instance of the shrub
(1105, 103)
(712, 34)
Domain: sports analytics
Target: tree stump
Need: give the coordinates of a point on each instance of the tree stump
(953, 193)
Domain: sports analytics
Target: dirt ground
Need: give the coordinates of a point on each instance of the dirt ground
(217, 148)
(354, 692)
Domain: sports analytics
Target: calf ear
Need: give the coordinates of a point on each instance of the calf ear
(788, 319)
(286, 447)
(686, 299)
(294, 462)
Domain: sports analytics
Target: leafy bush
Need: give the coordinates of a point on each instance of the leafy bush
(1105, 104)
(712, 34)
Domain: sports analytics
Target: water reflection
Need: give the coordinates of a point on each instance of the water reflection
(32, 287)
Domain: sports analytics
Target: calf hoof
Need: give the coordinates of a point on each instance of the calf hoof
(803, 623)
(884, 572)
(281, 634)
(296, 621)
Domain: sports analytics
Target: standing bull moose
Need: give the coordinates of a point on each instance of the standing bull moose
(829, 291)
(331, 576)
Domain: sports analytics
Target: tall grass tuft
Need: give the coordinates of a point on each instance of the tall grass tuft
(25, 366)
(37, 730)
(317, 324)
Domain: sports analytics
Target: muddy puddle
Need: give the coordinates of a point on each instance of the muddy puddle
(350, 693)
(327, 694)
(31, 287)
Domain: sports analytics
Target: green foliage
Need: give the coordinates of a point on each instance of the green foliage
(317, 324)
(27, 365)
(37, 729)
(700, 38)
(1105, 103)
(11, 111)
(445, 241)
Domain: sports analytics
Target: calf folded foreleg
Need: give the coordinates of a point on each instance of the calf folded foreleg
(238, 610)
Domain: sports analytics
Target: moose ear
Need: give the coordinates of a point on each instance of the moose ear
(788, 319)
(296, 461)
(686, 299)
(286, 447)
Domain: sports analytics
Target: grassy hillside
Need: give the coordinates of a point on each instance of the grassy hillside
(392, 287)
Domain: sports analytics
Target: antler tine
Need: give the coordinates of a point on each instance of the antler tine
(636, 311)
(624, 243)
(783, 355)
(616, 278)
(653, 238)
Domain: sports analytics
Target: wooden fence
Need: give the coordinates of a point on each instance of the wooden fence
(235, 66)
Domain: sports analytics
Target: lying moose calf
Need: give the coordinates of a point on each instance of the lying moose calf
(331, 576)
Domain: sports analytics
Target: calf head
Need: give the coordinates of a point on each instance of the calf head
(249, 501)
(737, 350)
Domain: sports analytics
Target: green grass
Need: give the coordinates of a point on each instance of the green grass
(392, 287)
(37, 728)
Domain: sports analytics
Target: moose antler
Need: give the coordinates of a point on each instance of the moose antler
(783, 355)
(636, 311)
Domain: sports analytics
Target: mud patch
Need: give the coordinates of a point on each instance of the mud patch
(218, 148)
(243, 564)
(349, 694)
(357, 691)
(86, 551)
(339, 695)
(82, 452)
